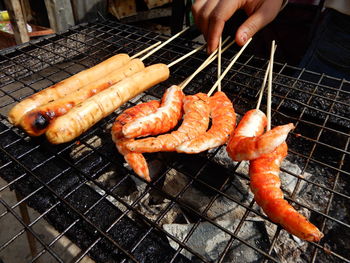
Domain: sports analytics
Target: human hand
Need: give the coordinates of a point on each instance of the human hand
(210, 16)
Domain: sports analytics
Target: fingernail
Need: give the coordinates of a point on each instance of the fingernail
(244, 37)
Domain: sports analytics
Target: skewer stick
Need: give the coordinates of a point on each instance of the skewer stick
(210, 59)
(229, 67)
(261, 92)
(163, 44)
(146, 49)
(214, 55)
(219, 64)
(269, 87)
(185, 56)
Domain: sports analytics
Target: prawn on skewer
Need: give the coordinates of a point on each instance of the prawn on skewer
(162, 120)
(195, 122)
(265, 184)
(223, 118)
(136, 160)
(170, 112)
(248, 141)
(221, 112)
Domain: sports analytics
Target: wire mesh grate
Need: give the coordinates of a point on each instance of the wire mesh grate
(83, 190)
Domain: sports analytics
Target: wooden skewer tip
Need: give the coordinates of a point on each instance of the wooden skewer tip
(233, 61)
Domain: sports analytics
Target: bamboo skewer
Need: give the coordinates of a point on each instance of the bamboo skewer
(155, 48)
(185, 56)
(229, 67)
(269, 88)
(164, 43)
(261, 92)
(210, 59)
(219, 64)
(146, 49)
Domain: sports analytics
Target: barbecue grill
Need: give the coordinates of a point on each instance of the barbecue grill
(198, 208)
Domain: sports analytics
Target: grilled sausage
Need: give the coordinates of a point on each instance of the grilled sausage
(66, 86)
(86, 114)
(37, 121)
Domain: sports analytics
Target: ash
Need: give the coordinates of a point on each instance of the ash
(207, 221)
(219, 237)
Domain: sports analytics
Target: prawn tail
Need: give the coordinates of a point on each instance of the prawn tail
(281, 212)
(139, 164)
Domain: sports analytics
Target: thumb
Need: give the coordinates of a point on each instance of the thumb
(260, 18)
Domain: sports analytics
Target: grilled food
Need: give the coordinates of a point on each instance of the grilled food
(265, 184)
(247, 141)
(163, 120)
(195, 122)
(136, 160)
(223, 118)
(37, 121)
(86, 114)
(66, 86)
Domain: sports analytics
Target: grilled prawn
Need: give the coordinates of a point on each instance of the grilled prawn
(247, 141)
(223, 118)
(164, 119)
(195, 123)
(136, 160)
(265, 184)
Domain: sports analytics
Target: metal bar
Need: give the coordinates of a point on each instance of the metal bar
(26, 219)
(330, 199)
(104, 37)
(68, 205)
(30, 230)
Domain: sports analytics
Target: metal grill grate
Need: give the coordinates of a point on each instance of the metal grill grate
(83, 189)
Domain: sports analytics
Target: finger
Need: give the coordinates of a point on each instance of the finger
(196, 7)
(222, 12)
(214, 33)
(204, 15)
(260, 18)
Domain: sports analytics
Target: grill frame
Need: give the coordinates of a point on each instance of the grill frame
(131, 41)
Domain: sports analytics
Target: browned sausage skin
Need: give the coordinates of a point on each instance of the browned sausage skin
(66, 86)
(37, 121)
(92, 110)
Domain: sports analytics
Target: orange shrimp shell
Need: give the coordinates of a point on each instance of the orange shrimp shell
(265, 184)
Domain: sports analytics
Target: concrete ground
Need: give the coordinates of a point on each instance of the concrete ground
(18, 250)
